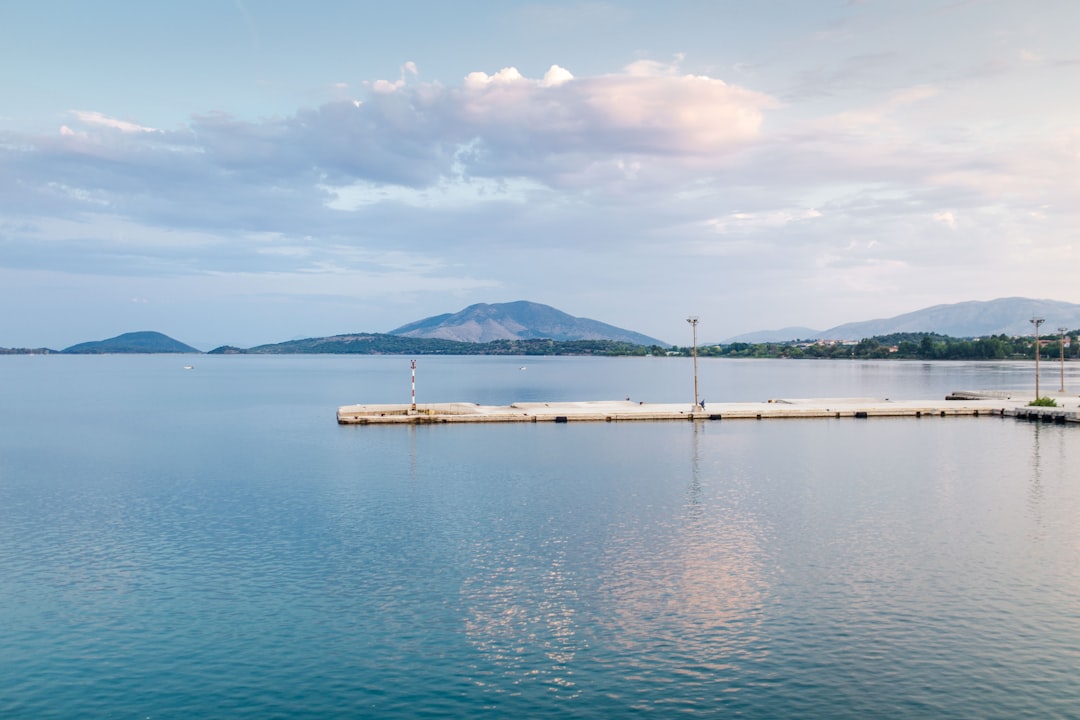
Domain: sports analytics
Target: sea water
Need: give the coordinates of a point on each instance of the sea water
(210, 543)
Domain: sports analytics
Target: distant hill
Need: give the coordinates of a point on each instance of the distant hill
(519, 320)
(1008, 316)
(135, 342)
(383, 344)
(355, 343)
(26, 351)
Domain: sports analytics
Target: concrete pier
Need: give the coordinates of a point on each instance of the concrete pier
(958, 404)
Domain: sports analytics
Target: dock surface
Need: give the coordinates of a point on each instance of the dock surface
(957, 404)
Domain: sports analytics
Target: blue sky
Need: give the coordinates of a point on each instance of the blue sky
(248, 172)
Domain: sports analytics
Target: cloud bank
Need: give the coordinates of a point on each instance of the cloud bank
(501, 182)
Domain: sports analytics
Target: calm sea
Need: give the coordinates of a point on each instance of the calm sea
(210, 543)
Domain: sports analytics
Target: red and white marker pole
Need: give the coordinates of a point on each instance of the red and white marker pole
(414, 385)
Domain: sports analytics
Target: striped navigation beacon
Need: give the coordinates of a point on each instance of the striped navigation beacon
(413, 385)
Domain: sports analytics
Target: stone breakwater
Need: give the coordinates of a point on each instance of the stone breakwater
(957, 404)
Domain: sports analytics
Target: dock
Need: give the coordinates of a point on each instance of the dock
(973, 404)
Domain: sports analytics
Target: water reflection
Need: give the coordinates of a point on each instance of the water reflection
(1035, 487)
(686, 594)
(521, 615)
(412, 453)
(670, 589)
(1049, 463)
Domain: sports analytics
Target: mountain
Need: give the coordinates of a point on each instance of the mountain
(1008, 316)
(383, 344)
(354, 343)
(135, 342)
(519, 320)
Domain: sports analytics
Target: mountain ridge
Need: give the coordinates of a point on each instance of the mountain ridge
(386, 344)
(971, 318)
(1008, 316)
(518, 320)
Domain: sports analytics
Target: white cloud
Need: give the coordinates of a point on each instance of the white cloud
(449, 193)
(556, 130)
(649, 68)
(559, 128)
(556, 76)
(100, 120)
(946, 218)
(383, 87)
(748, 221)
(476, 80)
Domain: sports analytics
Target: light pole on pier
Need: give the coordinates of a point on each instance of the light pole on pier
(1037, 321)
(1061, 344)
(414, 385)
(693, 324)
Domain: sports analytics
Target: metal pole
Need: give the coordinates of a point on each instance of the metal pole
(693, 324)
(1037, 321)
(414, 385)
(1061, 342)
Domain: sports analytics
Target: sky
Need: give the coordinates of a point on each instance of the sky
(253, 172)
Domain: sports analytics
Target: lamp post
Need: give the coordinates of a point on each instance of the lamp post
(1037, 321)
(1061, 343)
(693, 324)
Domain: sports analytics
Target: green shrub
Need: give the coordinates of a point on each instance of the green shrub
(1043, 402)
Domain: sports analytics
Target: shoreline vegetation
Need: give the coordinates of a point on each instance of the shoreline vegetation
(907, 346)
(897, 346)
